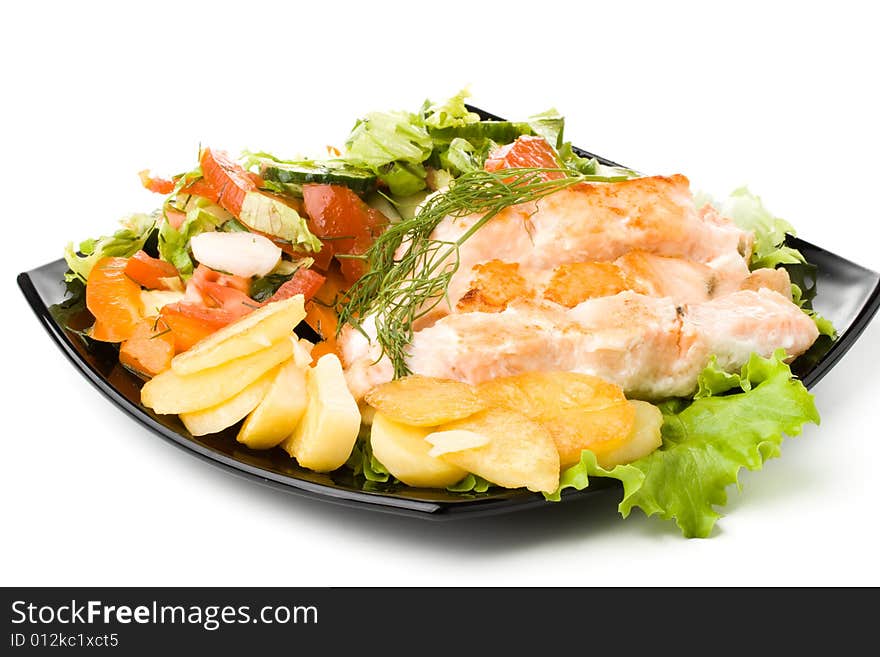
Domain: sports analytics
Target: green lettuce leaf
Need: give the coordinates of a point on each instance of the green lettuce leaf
(381, 138)
(470, 484)
(451, 113)
(578, 476)
(459, 157)
(270, 216)
(749, 213)
(125, 242)
(707, 442)
(174, 243)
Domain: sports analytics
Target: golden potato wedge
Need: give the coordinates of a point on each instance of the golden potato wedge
(403, 450)
(170, 392)
(253, 332)
(643, 440)
(324, 438)
(277, 415)
(226, 413)
(520, 452)
(580, 411)
(423, 401)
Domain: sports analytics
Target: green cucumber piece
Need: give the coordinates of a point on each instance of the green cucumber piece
(293, 176)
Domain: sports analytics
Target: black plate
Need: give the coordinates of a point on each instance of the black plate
(849, 296)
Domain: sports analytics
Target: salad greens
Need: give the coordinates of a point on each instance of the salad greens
(706, 442)
(125, 242)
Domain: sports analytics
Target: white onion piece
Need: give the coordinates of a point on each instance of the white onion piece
(242, 254)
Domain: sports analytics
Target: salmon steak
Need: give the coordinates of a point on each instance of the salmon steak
(628, 281)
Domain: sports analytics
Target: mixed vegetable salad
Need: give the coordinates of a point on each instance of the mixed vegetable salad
(238, 244)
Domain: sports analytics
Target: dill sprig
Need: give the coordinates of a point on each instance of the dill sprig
(409, 272)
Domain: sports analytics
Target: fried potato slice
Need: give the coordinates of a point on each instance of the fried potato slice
(644, 438)
(324, 438)
(446, 442)
(423, 401)
(226, 413)
(170, 392)
(580, 411)
(403, 450)
(277, 415)
(252, 333)
(519, 452)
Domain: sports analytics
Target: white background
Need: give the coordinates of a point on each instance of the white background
(783, 99)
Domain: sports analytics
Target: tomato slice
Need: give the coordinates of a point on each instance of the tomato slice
(305, 282)
(344, 223)
(204, 189)
(158, 185)
(190, 322)
(152, 273)
(526, 152)
(114, 299)
(228, 178)
(150, 348)
(204, 274)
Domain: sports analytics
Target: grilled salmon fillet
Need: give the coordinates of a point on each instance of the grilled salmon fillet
(599, 222)
(651, 347)
(627, 281)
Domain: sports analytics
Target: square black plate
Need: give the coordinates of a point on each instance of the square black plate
(849, 296)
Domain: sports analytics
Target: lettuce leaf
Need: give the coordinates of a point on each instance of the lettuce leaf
(381, 138)
(125, 242)
(749, 213)
(470, 484)
(459, 157)
(706, 443)
(578, 476)
(451, 113)
(550, 125)
(272, 217)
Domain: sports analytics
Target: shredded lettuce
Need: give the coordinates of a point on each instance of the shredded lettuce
(381, 138)
(707, 442)
(174, 242)
(451, 113)
(272, 217)
(124, 243)
(459, 157)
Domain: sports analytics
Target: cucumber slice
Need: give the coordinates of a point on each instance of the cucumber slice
(293, 176)
(501, 132)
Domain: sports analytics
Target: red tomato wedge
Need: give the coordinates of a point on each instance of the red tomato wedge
(114, 299)
(190, 322)
(201, 188)
(305, 282)
(234, 302)
(228, 178)
(204, 274)
(344, 223)
(174, 217)
(150, 349)
(525, 152)
(152, 273)
(158, 185)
